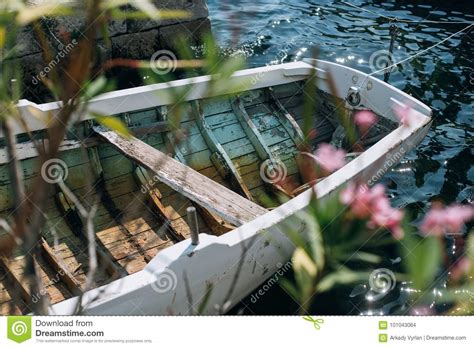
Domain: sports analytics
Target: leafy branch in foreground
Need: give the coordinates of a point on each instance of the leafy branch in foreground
(347, 235)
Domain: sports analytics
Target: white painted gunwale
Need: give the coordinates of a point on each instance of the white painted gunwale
(214, 260)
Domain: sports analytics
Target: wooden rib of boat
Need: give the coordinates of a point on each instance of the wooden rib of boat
(142, 187)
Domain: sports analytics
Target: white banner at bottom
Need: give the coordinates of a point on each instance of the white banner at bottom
(236, 331)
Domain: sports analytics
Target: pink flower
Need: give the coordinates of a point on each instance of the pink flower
(365, 119)
(374, 205)
(403, 114)
(329, 157)
(348, 194)
(388, 217)
(449, 220)
(359, 198)
(457, 215)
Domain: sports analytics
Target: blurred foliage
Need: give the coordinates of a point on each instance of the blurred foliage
(335, 249)
(340, 250)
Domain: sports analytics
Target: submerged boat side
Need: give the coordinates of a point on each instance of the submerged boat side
(216, 259)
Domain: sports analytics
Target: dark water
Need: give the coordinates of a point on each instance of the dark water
(441, 168)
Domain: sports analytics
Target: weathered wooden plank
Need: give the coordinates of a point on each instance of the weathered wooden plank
(177, 114)
(189, 127)
(142, 117)
(284, 150)
(264, 122)
(52, 282)
(148, 240)
(115, 166)
(9, 305)
(15, 279)
(60, 268)
(132, 245)
(210, 172)
(275, 136)
(293, 102)
(286, 119)
(218, 120)
(28, 166)
(73, 250)
(240, 147)
(221, 105)
(226, 134)
(151, 135)
(288, 90)
(219, 155)
(251, 130)
(191, 145)
(200, 189)
(215, 223)
(263, 150)
(213, 106)
(200, 160)
(116, 233)
(154, 196)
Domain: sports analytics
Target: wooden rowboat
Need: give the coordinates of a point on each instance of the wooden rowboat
(225, 166)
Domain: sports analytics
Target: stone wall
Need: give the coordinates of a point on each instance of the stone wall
(133, 39)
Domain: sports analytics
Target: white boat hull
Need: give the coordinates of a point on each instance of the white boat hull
(161, 288)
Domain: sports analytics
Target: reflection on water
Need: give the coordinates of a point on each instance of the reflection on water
(441, 168)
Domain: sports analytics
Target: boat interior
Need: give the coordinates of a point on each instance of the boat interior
(226, 138)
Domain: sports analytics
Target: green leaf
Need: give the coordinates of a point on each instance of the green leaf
(230, 66)
(146, 9)
(31, 13)
(104, 30)
(98, 86)
(296, 238)
(211, 55)
(316, 241)
(422, 259)
(158, 15)
(302, 262)
(344, 276)
(113, 123)
(3, 36)
(225, 86)
(470, 245)
(362, 256)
